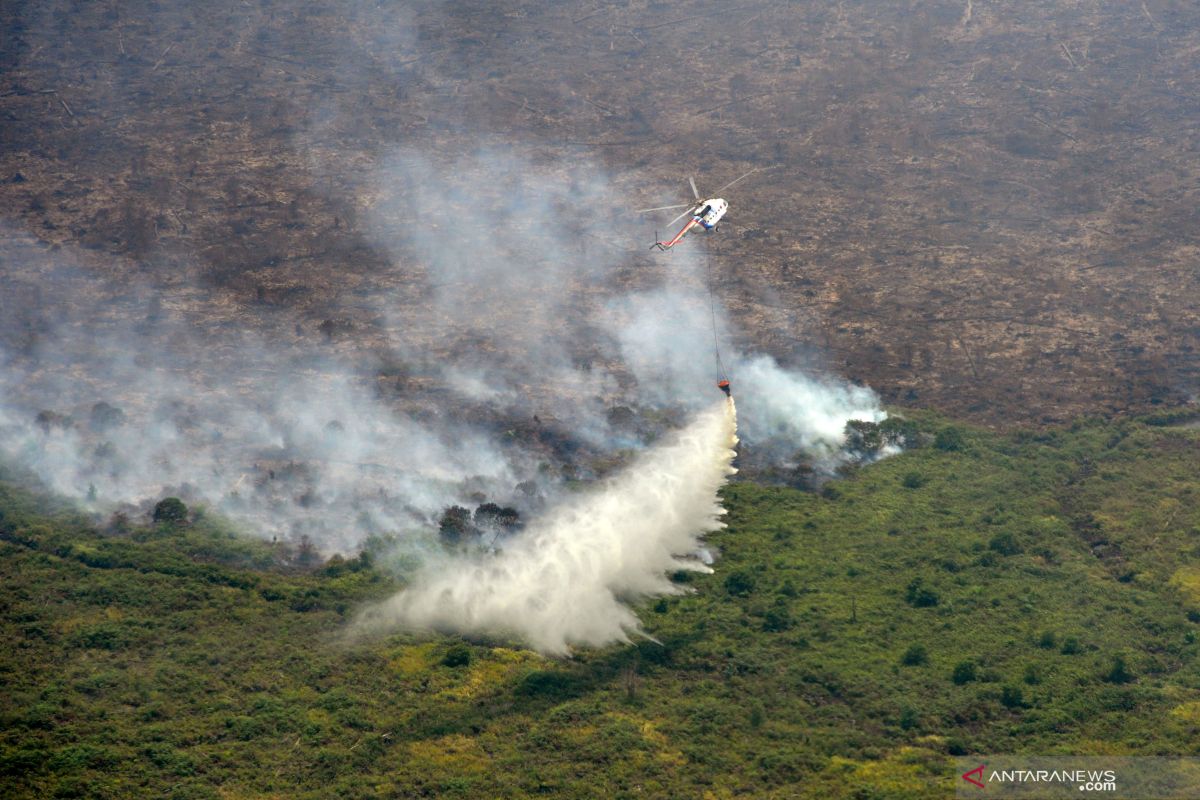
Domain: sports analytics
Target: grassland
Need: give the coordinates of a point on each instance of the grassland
(1034, 592)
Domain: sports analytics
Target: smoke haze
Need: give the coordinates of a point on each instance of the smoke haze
(483, 362)
(567, 580)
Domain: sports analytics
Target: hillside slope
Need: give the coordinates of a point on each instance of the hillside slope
(1022, 593)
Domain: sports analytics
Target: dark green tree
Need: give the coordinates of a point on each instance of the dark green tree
(949, 439)
(459, 655)
(863, 437)
(919, 595)
(964, 672)
(170, 510)
(105, 416)
(1119, 672)
(740, 583)
(455, 527)
(1006, 545)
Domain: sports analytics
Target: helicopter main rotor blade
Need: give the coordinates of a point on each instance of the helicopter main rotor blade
(735, 180)
(662, 208)
(694, 192)
(681, 216)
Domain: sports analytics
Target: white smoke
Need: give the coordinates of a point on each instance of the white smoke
(289, 443)
(517, 292)
(117, 407)
(668, 341)
(567, 580)
(312, 455)
(809, 414)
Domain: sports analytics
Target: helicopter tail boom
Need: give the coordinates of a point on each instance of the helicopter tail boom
(678, 237)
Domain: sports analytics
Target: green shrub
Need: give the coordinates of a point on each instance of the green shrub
(740, 583)
(170, 510)
(455, 526)
(949, 439)
(105, 636)
(964, 672)
(915, 655)
(26, 761)
(863, 436)
(1005, 544)
(1118, 672)
(83, 756)
(549, 684)
(777, 618)
(1011, 697)
(757, 716)
(919, 595)
(458, 655)
(913, 480)
(244, 728)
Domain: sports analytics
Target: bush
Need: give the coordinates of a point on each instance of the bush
(1119, 672)
(73, 758)
(899, 432)
(306, 552)
(1011, 697)
(458, 655)
(1005, 544)
(863, 437)
(915, 656)
(334, 567)
(171, 511)
(777, 619)
(105, 416)
(964, 672)
(492, 517)
(913, 480)
(919, 595)
(550, 685)
(1048, 641)
(740, 583)
(757, 717)
(455, 526)
(949, 439)
(104, 636)
(48, 420)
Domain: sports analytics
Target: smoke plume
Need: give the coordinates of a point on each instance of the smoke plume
(508, 342)
(567, 579)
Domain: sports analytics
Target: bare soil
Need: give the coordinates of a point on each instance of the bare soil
(986, 208)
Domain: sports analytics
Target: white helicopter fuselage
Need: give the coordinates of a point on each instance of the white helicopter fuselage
(710, 212)
(704, 214)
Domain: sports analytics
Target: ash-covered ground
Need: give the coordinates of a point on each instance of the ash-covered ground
(347, 239)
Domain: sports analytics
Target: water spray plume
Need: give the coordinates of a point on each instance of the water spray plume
(569, 578)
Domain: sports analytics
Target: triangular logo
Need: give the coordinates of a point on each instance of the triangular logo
(966, 776)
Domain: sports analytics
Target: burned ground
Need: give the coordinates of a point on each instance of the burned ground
(988, 209)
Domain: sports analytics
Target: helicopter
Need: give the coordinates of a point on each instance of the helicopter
(704, 213)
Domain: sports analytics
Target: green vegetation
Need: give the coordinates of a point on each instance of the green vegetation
(170, 510)
(1038, 592)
